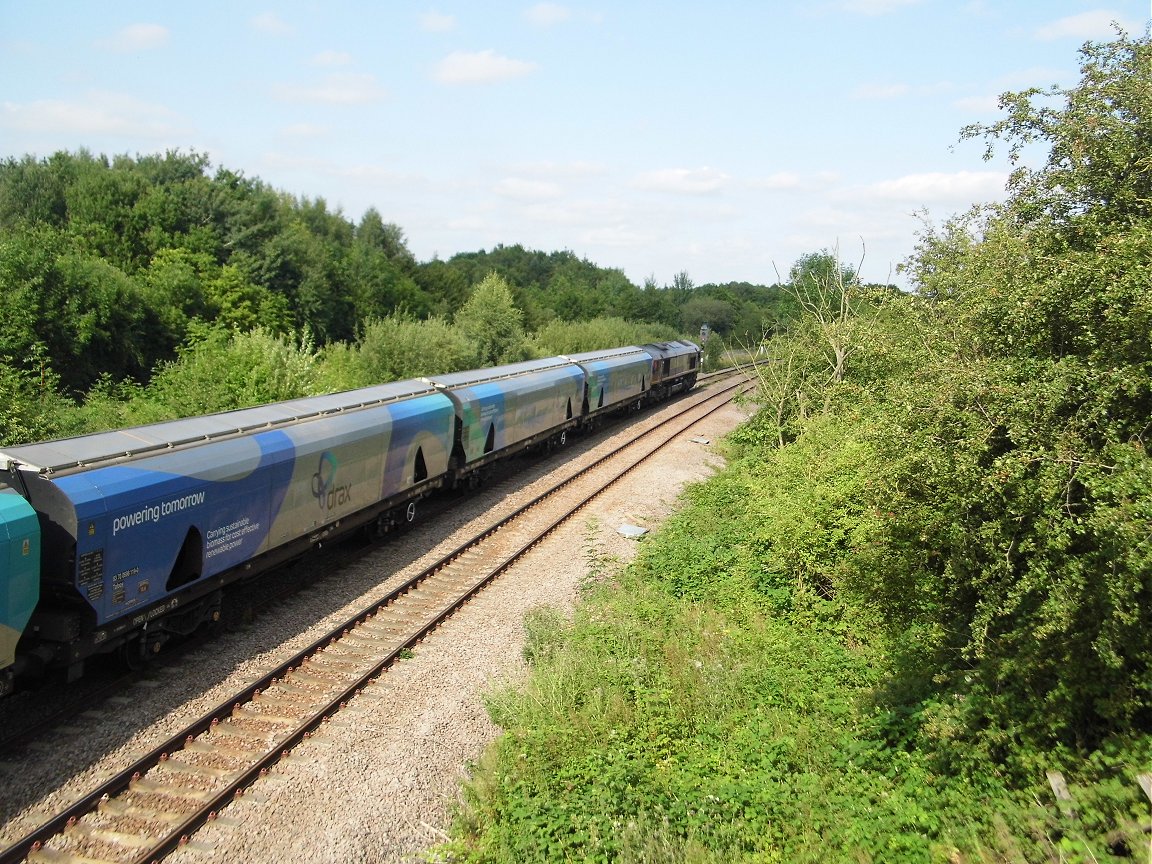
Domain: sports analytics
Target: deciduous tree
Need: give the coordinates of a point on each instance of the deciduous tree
(492, 323)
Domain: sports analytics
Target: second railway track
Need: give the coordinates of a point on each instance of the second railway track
(151, 806)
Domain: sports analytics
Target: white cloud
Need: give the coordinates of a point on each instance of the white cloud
(361, 173)
(937, 187)
(337, 90)
(434, 22)
(587, 213)
(481, 67)
(519, 189)
(547, 14)
(138, 37)
(467, 223)
(99, 114)
(619, 237)
(690, 181)
(271, 24)
(1087, 25)
(779, 180)
(572, 170)
(331, 58)
(875, 7)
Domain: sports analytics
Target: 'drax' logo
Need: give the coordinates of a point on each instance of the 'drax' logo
(324, 488)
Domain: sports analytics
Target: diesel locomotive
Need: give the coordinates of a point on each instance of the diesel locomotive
(117, 541)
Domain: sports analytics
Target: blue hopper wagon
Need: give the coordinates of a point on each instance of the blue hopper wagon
(120, 540)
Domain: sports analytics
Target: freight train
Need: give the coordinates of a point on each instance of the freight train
(118, 541)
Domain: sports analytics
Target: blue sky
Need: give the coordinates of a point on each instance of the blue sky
(723, 139)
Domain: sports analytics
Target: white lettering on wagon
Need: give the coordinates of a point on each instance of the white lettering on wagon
(156, 512)
(230, 536)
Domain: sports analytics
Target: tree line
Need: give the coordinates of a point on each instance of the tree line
(113, 271)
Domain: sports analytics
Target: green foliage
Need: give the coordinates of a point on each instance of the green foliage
(223, 250)
(109, 265)
(173, 284)
(216, 371)
(382, 272)
(392, 349)
(237, 304)
(31, 410)
(85, 314)
(573, 337)
(1098, 174)
(560, 285)
(832, 301)
(492, 324)
(715, 352)
(258, 366)
(699, 709)
(740, 312)
(820, 271)
(32, 300)
(1018, 465)
(113, 330)
(718, 314)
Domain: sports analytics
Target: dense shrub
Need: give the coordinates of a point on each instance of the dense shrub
(573, 337)
(392, 349)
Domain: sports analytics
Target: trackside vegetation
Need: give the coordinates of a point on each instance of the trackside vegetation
(913, 609)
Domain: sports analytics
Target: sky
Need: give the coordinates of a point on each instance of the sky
(722, 140)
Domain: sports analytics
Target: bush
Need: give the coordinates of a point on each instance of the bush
(393, 349)
(574, 337)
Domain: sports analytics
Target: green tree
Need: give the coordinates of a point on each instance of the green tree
(393, 349)
(1098, 174)
(101, 201)
(381, 272)
(831, 298)
(30, 407)
(31, 192)
(388, 238)
(570, 298)
(220, 371)
(79, 310)
(1017, 487)
(239, 305)
(112, 328)
(492, 323)
(445, 286)
(173, 284)
(717, 314)
(33, 298)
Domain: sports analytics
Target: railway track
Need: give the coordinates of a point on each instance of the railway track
(29, 718)
(159, 801)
